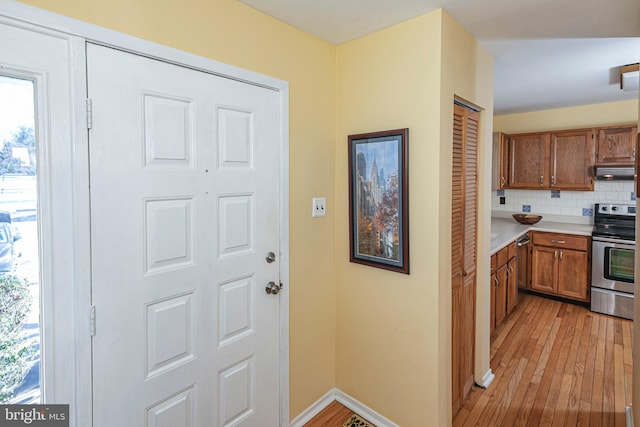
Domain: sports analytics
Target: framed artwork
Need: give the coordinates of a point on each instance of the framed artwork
(378, 200)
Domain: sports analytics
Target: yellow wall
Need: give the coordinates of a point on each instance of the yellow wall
(393, 338)
(230, 32)
(467, 73)
(611, 113)
(381, 337)
(636, 329)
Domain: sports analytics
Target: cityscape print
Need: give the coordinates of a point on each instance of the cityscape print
(376, 199)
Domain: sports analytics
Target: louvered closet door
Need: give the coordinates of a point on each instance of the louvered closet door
(463, 250)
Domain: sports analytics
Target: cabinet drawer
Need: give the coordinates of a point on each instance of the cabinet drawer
(494, 263)
(570, 241)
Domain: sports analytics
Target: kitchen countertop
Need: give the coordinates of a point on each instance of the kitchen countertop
(506, 230)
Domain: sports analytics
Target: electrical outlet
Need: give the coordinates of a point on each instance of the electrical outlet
(319, 206)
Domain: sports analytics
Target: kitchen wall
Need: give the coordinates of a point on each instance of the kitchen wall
(575, 206)
(233, 33)
(393, 350)
(605, 114)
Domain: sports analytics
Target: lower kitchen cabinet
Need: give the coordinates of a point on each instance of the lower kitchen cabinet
(560, 265)
(504, 284)
(512, 285)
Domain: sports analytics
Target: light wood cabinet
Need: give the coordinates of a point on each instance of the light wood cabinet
(552, 160)
(560, 160)
(500, 161)
(512, 285)
(500, 299)
(504, 284)
(616, 145)
(571, 166)
(524, 266)
(560, 265)
(529, 161)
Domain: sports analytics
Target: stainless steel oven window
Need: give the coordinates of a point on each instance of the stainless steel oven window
(600, 264)
(619, 264)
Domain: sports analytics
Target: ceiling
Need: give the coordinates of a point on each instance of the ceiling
(549, 53)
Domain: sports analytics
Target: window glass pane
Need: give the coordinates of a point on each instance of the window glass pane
(19, 262)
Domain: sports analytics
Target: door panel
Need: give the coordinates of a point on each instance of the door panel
(572, 160)
(184, 200)
(528, 161)
(573, 274)
(543, 268)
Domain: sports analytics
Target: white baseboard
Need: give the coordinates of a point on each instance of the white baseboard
(487, 379)
(314, 409)
(348, 401)
(629, 412)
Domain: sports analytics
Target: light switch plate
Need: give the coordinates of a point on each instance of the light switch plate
(319, 206)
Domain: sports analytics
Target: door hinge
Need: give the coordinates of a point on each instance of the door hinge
(89, 113)
(92, 320)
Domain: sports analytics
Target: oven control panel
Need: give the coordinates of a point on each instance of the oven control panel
(613, 209)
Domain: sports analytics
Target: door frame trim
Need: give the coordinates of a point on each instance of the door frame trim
(80, 265)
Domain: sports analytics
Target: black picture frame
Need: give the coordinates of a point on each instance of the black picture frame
(378, 199)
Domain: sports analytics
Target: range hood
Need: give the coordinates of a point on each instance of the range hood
(610, 173)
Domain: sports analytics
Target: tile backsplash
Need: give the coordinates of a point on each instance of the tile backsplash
(561, 202)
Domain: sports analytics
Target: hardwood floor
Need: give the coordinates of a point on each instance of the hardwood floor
(334, 415)
(556, 364)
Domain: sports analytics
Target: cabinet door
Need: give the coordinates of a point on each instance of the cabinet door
(493, 286)
(543, 268)
(573, 274)
(512, 285)
(529, 161)
(500, 299)
(500, 161)
(524, 266)
(617, 145)
(572, 160)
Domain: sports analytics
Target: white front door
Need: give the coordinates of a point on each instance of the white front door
(184, 175)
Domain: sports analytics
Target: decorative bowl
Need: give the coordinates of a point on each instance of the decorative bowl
(527, 218)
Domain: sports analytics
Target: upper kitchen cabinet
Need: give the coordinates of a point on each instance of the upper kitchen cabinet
(559, 160)
(572, 160)
(500, 161)
(616, 145)
(529, 161)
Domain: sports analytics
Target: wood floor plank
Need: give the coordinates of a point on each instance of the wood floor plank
(608, 397)
(586, 395)
(627, 345)
(546, 344)
(334, 415)
(598, 376)
(555, 364)
(555, 373)
(618, 377)
(563, 403)
(573, 406)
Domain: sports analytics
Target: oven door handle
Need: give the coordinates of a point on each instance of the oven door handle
(616, 241)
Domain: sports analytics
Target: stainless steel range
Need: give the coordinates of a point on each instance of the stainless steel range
(612, 259)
